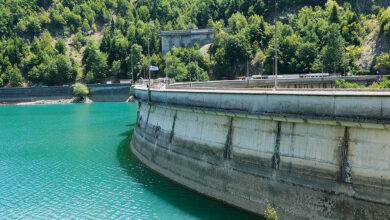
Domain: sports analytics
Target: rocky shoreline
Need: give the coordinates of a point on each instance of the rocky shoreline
(58, 101)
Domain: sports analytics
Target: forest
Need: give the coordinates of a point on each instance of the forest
(60, 42)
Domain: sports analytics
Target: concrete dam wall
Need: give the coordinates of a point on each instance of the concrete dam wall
(109, 92)
(312, 155)
(98, 93)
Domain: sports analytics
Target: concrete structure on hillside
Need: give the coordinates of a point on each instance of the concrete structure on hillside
(312, 154)
(184, 38)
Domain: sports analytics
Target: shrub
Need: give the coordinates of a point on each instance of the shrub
(270, 213)
(80, 90)
(360, 72)
(342, 84)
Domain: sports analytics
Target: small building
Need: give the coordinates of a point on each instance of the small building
(186, 38)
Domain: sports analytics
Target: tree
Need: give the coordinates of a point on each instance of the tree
(57, 21)
(60, 46)
(116, 68)
(258, 61)
(237, 22)
(134, 60)
(143, 13)
(334, 50)
(85, 26)
(383, 63)
(14, 77)
(95, 61)
(78, 41)
(305, 56)
(334, 16)
(196, 73)
(176, 69)
(80, 90)
(384, 22)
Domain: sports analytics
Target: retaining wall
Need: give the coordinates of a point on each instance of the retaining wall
(13, 95)
(98, 93)
(313, 155)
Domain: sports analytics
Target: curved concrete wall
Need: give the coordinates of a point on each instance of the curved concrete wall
(313, 155)
(109, 92)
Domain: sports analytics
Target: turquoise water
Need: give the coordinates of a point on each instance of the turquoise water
(73, 162)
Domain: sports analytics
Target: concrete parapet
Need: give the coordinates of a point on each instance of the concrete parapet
(293, 83)
(368, 106)
(313, 155)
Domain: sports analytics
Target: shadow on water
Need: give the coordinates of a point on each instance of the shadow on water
(193, 203)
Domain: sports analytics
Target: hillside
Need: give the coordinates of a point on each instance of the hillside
(55, 42)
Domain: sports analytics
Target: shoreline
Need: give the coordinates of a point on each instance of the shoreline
(58, 101)
(50, 102)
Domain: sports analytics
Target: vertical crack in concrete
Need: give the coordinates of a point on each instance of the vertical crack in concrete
(228, 145)
(173, 128)
(345, 167)
(139, 117)
(276, 156)
(147, 119)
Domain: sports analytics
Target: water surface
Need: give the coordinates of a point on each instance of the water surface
(73, 161)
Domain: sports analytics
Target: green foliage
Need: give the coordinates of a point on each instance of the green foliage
(270, 213)
(384, 21)
(183, 63)
(95, 62)
(322, 34)
(116, 68)
(342, 84)
(60, 46)
(383, 84)
(13, 76)
(334, 16)
(80, 90)
(383, 63)
(258, 61)
(334, 50)
(78, 41)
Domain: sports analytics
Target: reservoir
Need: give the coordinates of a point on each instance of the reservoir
(73, 161)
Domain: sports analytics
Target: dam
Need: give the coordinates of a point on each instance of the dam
(312, 154)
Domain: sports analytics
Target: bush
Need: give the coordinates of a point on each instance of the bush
(360, 72)
(270, 213)
(60, 46)
(78, 41)
(80, 90)
(342, 84)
